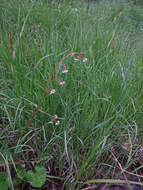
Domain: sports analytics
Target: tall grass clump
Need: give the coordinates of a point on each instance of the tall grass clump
(70, 91)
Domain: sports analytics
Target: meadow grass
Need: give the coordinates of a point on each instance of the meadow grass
(91, 57)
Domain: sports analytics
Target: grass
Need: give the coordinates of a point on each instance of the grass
(99, 108)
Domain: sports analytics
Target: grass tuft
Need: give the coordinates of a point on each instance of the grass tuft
(71, 90)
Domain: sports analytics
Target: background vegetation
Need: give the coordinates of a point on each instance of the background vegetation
(71, 93)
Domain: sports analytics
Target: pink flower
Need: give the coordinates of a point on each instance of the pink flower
(65, 71)
(62, 83)
(57, 123)
(76, 59)
(53, 117)
(52, 91)
(71, 54)
(65, 66)
(85, 60)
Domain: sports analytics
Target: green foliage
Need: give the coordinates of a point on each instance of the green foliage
(4, 184)
(37, 178)
(21, 173)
